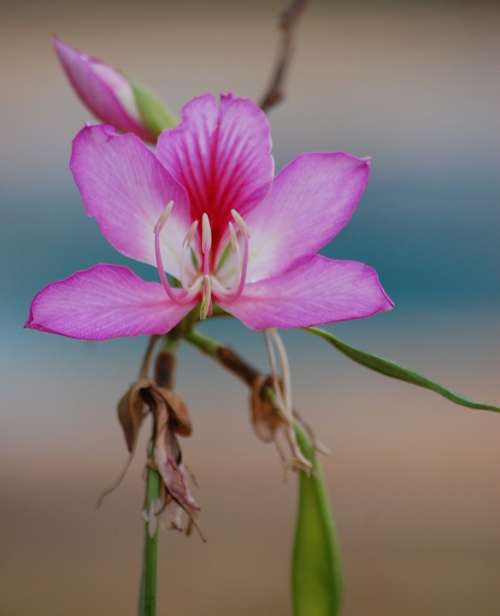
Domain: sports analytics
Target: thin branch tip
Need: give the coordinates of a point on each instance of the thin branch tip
(276, 91)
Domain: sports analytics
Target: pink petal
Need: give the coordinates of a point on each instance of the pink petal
(104, 301)
(318, 290)
(125, 188)
(310, 202)
(222, 156)
(104, 91)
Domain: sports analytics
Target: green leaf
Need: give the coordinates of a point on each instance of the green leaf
(316, 568)
(392, 370)
(153, 112)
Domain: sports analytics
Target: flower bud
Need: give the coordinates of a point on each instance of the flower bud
(111, 97)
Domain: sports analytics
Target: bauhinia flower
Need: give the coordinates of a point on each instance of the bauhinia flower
(105, 92)
(205, 207)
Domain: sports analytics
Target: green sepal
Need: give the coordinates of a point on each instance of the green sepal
(394, 371)
(155, 116)
(316, 567)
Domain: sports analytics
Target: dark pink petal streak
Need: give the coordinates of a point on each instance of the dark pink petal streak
(221, 154)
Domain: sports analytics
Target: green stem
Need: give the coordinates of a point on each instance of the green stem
(164, 376)
(147, 601)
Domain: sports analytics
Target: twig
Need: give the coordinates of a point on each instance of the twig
(225, 356)
(289, 20)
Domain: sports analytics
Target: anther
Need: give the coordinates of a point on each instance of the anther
(206, 234)
(243, 227)
(190, 234)
(164, 216)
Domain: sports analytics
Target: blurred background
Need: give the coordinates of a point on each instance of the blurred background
(413, 480)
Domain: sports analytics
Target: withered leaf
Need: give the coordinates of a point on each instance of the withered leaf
(131, 412)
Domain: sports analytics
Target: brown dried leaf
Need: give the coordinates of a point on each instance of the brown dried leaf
(177, 411)
(131, 412)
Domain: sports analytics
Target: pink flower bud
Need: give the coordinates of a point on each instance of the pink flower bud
(103, 90)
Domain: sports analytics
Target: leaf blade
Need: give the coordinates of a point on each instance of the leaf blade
(393, 370)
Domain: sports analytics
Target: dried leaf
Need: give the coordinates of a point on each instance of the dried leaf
(131, 412)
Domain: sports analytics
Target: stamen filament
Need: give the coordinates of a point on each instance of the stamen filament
(284, 406)
(206, 302)
(186, 253)
(184, 297)
(285, 365)
(190, 234)
(243, 259)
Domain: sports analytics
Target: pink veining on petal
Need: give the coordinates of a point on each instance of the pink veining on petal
(310, 202)
(125, 188)
(317, 290)
(221, 154)
(102, 302)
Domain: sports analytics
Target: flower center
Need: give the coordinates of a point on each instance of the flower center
(200, 273)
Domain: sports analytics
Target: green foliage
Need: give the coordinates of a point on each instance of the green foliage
(394, 371)
(153, 112)
(316, 568)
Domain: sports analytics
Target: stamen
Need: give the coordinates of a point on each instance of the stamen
(284, 406)
(190, 234)
(206, 234)
(243, 259)
(285, 365)
(233, 238)
(206, 242)
(240, 222)
(175, 297)
(280, 402)
(187, 253)
(206, 302)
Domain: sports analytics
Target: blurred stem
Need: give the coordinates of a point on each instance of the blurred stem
(164, 376)
(224, 355)
(147, 600)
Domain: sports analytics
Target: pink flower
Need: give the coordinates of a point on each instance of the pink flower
(103, 90)
(205, 208)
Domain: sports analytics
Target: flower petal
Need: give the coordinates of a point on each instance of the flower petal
(310, 202)
(318, 290)
(104, 301)
(102, 89)
(222, 156)
(125, 188)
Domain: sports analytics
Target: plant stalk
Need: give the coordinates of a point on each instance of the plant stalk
(165, 377)
(147, 600)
